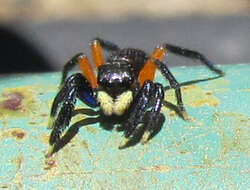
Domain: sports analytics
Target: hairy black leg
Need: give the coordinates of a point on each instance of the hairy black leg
(59, 100)
(107, 45)
(69, 66)
(64, 116)
(154, 119)
(138, 108)
(76, 86)
(192, 55)
(151, 96)
(174, 84)
(56, 103)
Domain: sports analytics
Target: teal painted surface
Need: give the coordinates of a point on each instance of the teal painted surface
(211, 151)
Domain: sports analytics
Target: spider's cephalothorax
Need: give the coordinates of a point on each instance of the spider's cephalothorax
(124, 85)
(115, 93)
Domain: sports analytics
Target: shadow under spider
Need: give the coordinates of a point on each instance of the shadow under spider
(109, 122)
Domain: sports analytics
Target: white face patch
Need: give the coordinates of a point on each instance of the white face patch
(122, 102)
(116, 106)
(106, 102)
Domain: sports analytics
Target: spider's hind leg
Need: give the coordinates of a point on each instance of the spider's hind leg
(107, 45)
(191, 54)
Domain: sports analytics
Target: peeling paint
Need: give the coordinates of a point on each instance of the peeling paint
(18, 102)
(45, 138)
(13, 101)
(18, 134)
(92, 130)
(18, 179)
(211, 151)
(239, 140)
(158, 168)
(194, 96)
(86, 146)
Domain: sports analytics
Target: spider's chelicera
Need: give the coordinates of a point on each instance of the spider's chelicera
(123, 87)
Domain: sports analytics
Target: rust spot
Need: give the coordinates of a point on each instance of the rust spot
(13, 101)
(50, 164)
(44, 115)
(19, 102)
(18, 134)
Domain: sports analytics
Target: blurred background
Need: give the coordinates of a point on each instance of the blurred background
(38, 36)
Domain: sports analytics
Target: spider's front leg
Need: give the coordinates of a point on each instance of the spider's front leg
(151, 96)
(76, 86)
(81, 59)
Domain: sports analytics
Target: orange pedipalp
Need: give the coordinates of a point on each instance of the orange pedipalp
(87, 71)
(148, 71)
(96, 50)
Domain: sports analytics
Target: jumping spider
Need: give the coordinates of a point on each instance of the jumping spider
(123, 87)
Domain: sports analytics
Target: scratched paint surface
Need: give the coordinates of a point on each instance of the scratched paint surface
(211, 151)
